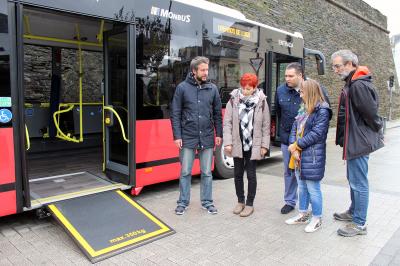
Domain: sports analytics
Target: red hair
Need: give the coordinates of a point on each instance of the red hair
(249, 79)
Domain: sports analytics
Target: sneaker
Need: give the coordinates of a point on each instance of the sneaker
(180, 210)
(247, 211)
(301, 218)
(352, 229)
(238, 208)
(314, 225)
(210, 209)
(286, 209)
(344, 216)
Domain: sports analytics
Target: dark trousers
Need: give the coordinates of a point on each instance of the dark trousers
(242, 164)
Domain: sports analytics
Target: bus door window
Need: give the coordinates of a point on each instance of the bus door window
(278, 69)
(164, 49)
(230, 45)
(227, 65)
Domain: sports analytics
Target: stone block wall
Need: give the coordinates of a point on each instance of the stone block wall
(37, 75)
(330, 25)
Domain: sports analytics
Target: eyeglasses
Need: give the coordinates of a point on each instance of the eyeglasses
(337, 66)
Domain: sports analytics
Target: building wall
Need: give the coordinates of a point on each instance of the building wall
(330, 25)
(395, 40)
(37, 75)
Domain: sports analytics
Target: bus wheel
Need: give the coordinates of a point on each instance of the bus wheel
(223, 164)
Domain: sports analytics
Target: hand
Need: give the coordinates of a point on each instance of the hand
(292, 148)
(263, 151)
(218, 141)
(178, 143)
(228, 150)
(296, 155)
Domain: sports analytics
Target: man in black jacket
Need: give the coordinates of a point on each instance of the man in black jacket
(196, 113)
(359, 132)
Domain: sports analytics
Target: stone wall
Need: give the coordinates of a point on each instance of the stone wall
(37, 68)
(330, 25)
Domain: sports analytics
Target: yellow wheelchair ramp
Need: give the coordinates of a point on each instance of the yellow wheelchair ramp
(108, 223)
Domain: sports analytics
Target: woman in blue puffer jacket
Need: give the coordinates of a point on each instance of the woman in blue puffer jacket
(308, 148)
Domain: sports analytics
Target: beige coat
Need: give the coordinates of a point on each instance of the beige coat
(261, 127)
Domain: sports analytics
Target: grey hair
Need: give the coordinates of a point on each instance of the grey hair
(296, 66)
(194, 64)
(347, 56)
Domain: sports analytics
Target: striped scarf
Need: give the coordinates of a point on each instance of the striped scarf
(246, 106)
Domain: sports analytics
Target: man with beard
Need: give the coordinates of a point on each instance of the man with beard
(196, 113)
(359, 133)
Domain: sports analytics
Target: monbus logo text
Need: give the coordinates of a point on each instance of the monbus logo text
(156, 11)
(285, 43)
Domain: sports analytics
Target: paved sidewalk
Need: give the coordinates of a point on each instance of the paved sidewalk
(226, 239)
(222, 239)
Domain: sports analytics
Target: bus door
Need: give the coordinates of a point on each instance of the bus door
(118, 94)
(276, 76)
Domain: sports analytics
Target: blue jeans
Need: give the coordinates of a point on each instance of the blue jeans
(310, 192)
(357, 175)
(290, 179)
(186, 157)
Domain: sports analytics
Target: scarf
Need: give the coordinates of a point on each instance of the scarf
(246, 106)
(301, 120)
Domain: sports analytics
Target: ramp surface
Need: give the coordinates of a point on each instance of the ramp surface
(108, 223)
(61, 187)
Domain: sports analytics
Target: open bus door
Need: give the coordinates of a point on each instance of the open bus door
(88, 204)
(91, 220)
(276, 76)
(118, 96)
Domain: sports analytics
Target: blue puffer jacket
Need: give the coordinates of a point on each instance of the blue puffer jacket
(287, 103)
(313, 143)
(196, 112)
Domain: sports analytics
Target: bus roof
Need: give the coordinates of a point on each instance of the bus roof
(205, 5)
(216, 8)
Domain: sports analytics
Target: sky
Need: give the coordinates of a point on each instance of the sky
(391, 9)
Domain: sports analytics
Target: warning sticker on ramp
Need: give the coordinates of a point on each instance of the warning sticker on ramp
(108, 223)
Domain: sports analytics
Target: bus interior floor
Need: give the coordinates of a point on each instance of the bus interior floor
(65, 162)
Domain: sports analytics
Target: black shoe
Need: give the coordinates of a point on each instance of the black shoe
(344, 216)
(180, 210)
(286, 209)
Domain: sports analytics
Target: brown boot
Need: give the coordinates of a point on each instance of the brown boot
(247, 211)
(238, 208)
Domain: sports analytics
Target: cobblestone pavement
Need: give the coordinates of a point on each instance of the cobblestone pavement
(226, 239)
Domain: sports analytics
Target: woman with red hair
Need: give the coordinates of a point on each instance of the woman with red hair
(246, 137)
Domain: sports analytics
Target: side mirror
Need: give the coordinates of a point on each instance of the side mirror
(319, 58)
(320, 65)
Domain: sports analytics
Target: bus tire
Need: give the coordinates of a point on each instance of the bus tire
(223, 165)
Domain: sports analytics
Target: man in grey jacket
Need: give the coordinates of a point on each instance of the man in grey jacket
(359, 133)
(196, 113)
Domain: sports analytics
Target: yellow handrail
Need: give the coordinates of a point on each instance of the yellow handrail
(28, 142)
(99, 36)
(51, 39)
(104, 137)
(61, 134)
(27, 24)
(119, 120)
(80, 85)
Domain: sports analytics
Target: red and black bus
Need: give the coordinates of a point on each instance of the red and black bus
(85, 89)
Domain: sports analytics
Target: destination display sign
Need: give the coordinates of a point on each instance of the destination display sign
(235, 29)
